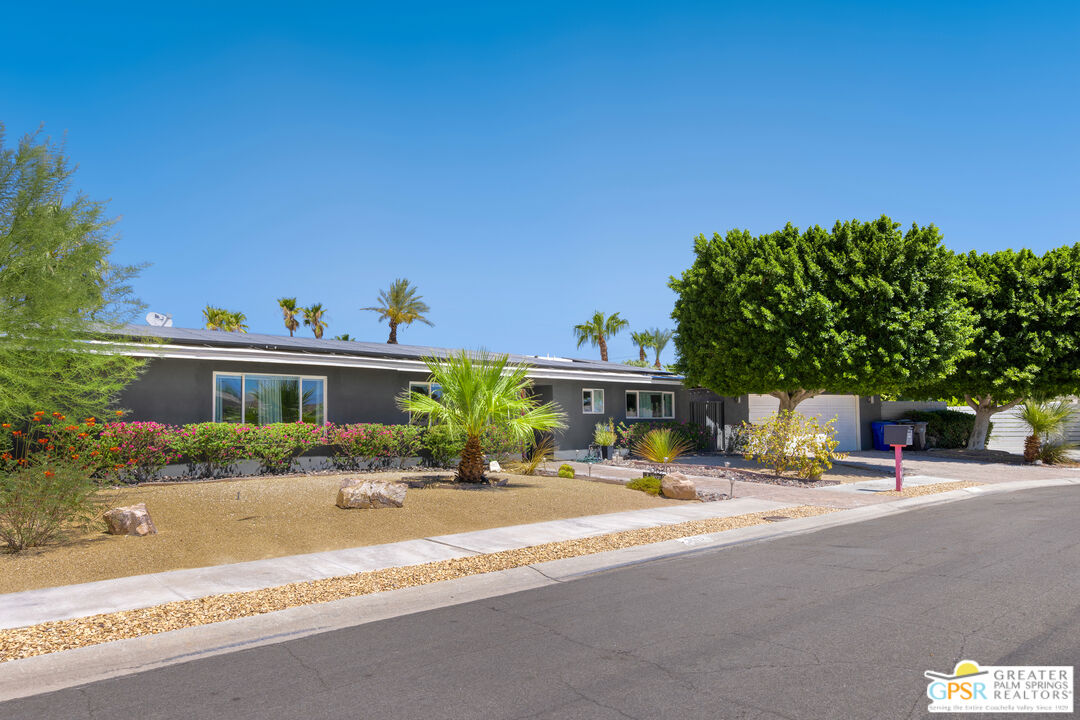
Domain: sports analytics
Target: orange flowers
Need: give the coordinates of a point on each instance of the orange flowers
(43, 441)
(16, 433)
(5, 456)
(40, 412)
(7, 425)
(49, 473)
(114, 448)
(119, 413)
(94, 453)
(71, 428)
(75, 456)
(83, 435)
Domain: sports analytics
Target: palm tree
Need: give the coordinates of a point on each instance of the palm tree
(313, 319)
(343, 336)
(658, 341)
(288, 312)
(216, 318)
(1046, 420)
(598, 329)
(643, 340)
(479, 390)
(221, 319)
(400, 306)
(236, 322)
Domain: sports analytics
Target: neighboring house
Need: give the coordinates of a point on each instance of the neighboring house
(1009, 431)
(211, 375)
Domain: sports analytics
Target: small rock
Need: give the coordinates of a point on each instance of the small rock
(368, 494)
(711, 495)
(494, 466)
(678, 486)
(131, 520)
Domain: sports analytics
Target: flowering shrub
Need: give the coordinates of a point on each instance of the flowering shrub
(792, 441)
(211, 448)
(138, 450)
(277, 445)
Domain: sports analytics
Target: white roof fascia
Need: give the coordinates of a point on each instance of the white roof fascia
(414, 366)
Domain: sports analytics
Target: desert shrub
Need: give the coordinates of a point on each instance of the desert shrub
(695, 435)
(649, 484)
(210, 448)
(499, 441)
(566, 471)
(790, 441)
(277, 445)
(604, 434)
(408, 440)
(947, 428)
(1056, 451)
(362, 444)
(662, 445)
(535, 455)
(40, 500)
(441, 446)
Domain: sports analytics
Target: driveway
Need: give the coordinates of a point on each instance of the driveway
(839, 623)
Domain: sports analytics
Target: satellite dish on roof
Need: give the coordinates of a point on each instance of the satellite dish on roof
(158, 320)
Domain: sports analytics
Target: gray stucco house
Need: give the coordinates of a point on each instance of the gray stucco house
(210, 375)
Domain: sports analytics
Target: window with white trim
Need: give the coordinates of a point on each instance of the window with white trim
(650, 404)
(592, 401)
(432, 390)
(261, 399)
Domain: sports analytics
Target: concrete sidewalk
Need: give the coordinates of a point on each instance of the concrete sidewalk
(60, 603)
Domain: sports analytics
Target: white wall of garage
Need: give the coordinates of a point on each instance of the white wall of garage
(845, 408)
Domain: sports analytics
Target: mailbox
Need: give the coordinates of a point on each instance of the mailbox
(899, 435)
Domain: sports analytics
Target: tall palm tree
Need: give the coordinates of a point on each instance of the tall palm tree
(658, 341)
(289, 311)
(642, 339)
(400, 305)
(1046, 420)
(598, 329)
(479, 390)
(313, 318)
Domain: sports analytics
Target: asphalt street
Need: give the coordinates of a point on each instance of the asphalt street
(839, 623)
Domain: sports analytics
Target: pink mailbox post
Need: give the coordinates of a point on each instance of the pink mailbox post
(899, 436)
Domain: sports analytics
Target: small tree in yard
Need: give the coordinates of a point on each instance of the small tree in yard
(863, 309)
(480, 390)
(58, 290)
(1026, 333)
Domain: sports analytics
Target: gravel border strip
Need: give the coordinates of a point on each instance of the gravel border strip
(61, 635)
(916, 490)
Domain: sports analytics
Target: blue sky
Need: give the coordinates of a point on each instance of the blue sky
(527, 164)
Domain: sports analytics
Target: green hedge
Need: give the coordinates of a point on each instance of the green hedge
(946, 428)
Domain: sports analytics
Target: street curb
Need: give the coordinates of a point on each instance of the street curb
(56, 671)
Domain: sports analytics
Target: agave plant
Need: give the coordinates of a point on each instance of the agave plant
(1046, 420)
(660, 446)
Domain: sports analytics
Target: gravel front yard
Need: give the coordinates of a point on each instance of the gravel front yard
(212, 523)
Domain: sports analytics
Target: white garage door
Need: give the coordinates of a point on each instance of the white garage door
(845, 408)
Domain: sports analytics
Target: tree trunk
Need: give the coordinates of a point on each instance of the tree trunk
(658, 366)
(603, 348)
(641, 354)
(984, 408)
(393, 334)
(471, 468)
(789, 400)
(1032, 448)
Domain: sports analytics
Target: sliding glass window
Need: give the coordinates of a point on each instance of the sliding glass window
(258, 399)
(641, 404)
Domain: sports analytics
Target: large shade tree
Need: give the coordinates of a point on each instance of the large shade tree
(400, 305)
(864, 309)
(58, 290)
(1026, 333)
(597, 329)
(479, 390)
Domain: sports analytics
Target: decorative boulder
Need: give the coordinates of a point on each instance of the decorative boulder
(494, 466)
(131, 520)
(368, 494)
(678, 487)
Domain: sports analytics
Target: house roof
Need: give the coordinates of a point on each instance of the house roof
(321, 349)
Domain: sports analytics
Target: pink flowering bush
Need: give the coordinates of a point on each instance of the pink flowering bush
(276, 446)
(372, 444)
(211, 449)
(136, 450)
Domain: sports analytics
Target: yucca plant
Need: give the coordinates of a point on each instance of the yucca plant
(479, 389)
(660, 446)
(604, 434)
(1056, 452)
(1046, 420)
